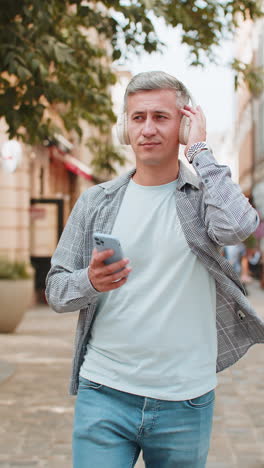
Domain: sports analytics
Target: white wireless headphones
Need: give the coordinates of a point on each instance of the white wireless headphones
(122, 132)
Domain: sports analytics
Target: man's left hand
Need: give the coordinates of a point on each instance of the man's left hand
(197, 125)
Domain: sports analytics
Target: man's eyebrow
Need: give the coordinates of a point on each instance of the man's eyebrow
(154, 112)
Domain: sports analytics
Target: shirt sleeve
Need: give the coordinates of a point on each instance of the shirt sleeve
(228, 215)
(68, 287)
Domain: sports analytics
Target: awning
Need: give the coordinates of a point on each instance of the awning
(71, 163)
(77, 167)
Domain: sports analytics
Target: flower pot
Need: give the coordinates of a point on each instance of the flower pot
(15, 298)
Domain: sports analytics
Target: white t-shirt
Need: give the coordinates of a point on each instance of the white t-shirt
(156, 335)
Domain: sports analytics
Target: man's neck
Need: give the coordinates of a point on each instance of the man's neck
(154, 175)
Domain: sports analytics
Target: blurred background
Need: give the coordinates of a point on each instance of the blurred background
(64, 69)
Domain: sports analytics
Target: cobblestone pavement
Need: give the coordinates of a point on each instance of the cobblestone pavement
(36, 411)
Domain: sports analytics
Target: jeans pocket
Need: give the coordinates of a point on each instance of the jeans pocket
(86, 384)
(202, 401)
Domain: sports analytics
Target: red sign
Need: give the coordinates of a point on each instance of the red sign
(37, 213)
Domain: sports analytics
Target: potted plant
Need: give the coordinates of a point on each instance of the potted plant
(16, 293)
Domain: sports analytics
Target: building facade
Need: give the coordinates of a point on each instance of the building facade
(249, 124)
(36, 198)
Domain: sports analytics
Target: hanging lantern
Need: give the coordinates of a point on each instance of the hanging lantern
(11, 155)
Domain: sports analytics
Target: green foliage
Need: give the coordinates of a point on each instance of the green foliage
(46, 59)
(106, 156)
(251, 75)
(204, 23)
(14, 270)
(54, 53)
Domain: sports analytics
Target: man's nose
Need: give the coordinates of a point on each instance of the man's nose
(149, 128)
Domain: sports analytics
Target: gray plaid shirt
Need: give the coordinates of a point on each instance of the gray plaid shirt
(213, 212)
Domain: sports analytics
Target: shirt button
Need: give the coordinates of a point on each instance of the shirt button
(206, 181)
(196, 164)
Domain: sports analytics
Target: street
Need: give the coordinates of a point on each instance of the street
(36, 411)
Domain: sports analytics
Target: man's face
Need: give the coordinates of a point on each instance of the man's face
(153, 126)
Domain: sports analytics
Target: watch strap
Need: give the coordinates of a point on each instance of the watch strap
(196, 148)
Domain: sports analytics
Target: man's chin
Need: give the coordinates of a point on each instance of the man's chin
(155, 159)
(150, 162)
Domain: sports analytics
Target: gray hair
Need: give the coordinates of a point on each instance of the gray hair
(147, 81)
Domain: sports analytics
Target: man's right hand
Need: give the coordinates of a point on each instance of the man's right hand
(103, 277)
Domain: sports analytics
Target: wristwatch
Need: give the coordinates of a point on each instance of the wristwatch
(196, 148)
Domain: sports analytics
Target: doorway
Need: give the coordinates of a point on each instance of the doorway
(45, 230)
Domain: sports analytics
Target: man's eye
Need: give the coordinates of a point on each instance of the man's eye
(160, 116)
(138, 117)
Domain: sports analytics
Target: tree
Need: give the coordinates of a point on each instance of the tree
(56, 53)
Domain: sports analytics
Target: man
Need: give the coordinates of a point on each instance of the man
(151, 337)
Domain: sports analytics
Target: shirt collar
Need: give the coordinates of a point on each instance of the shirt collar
(185, 177)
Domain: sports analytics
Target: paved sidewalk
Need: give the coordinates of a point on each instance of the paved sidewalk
(36, 411)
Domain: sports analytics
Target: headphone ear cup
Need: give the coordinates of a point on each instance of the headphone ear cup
(184, 130)
(121, 129)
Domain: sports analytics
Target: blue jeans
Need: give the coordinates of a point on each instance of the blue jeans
(112, 427)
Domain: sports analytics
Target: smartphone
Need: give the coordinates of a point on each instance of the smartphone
(105, 242)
